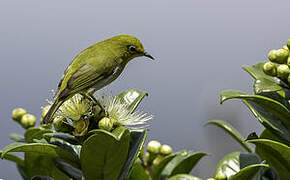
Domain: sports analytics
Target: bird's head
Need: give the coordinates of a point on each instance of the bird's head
(129, 47)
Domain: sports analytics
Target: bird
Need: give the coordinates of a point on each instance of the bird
(94, 68)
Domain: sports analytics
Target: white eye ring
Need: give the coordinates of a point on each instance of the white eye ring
(132, 49)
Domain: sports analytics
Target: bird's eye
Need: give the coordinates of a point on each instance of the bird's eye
(132, 49)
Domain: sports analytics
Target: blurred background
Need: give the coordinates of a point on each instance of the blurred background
(200, 47)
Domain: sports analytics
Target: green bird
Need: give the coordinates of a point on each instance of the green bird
(96, 67)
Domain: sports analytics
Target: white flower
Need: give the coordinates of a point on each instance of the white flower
(120, 114)
(75, 107)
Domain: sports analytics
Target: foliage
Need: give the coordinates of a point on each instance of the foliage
(83, 143)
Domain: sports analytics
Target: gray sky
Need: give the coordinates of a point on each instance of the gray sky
(200, 47)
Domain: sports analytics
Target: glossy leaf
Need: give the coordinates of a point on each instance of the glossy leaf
(137, 173)
(182, 163)
(256, 71)
(70, 171)
(137, 139)
(229, 165)
(156, 173)
(231, 131)
(17, 137)
(267, 134)
(247, 159)
(248, 172)
(13, 158)
(132, 97)
(41, 178)
(39, 164)
(270, 113)
(184, 177)
(276, 154)
(63, 136)
(35, 133)
(103, 154)
(263, 85)
(49, 150)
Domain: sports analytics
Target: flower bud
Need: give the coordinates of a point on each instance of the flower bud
(18, 113)
(282, 56)
(288, 61)
(221, 176)
(81, 127)
(285, 47)
(45, 110)
(272, 55)
(27, 121)
(270, 69)
(153, 147)
(211, 179)
(165, 150)
(60, 124)
(106, 124)
(288, 43)
(157, 160)
(283, 71)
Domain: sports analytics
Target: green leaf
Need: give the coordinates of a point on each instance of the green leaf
(39, 164)
(272, 114)
(267, 134)
(182, 163)
(103, 154)
(137, 139)
(232, 131)
(49, 150)
(63, 136)
(13, 158)
(248, 172)
(263, 85)
(256, 71)
(17, 137)
(72, 172)
(276, 154)
(41, 178)
(184, 177)
(247, 159)
(156, 173)
(22, 172)
(229, 165)
(132, 97)
(138, 173)
(35, 133)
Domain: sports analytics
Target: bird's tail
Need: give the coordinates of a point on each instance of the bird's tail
(54, 107)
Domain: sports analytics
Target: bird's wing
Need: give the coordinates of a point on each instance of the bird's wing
(85, 77)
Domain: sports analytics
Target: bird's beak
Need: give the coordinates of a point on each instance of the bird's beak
(148, 55)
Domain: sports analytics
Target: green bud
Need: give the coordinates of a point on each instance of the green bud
(283, 71)
(106, 124)
(165, 150)
(221, 176)
(153, 147)
(18, 113)
(27, 121)
(272, 55)
(211, 179)
(81, 127)
(60, 124)
(288, 43)
(45, 110)
(288, 61)
(285, 47)
(282, 56)
(157, 160)
(270, 69)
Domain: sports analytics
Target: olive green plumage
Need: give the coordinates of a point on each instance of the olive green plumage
(96, 67)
